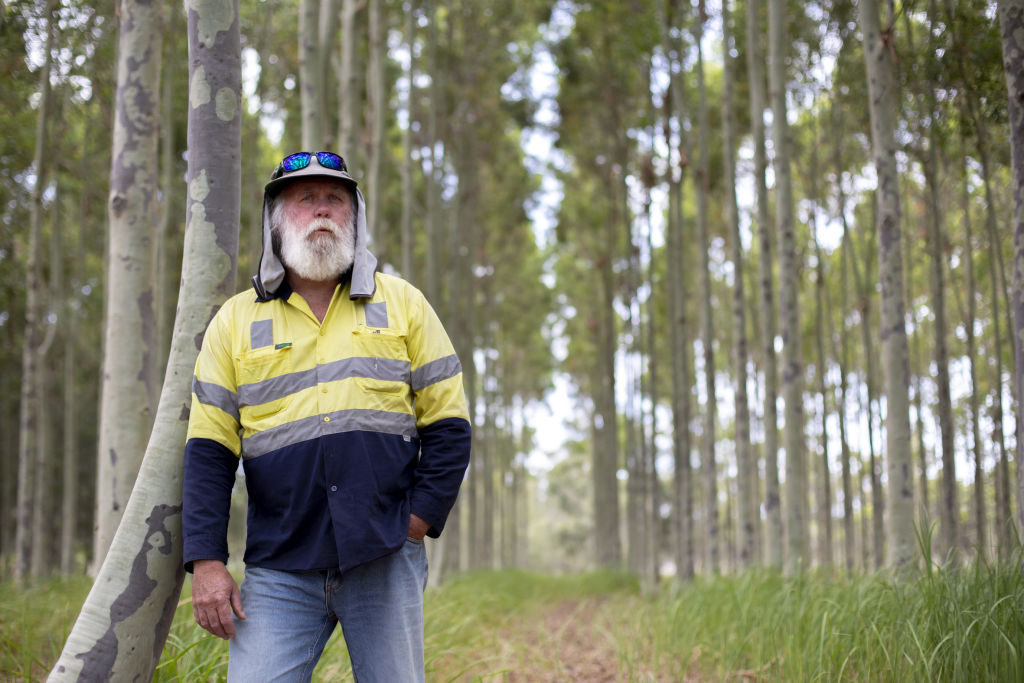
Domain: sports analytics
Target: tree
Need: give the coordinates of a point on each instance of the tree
(128, 383)
(881, 87)
(797, 545)
(28, 426)
(1011, 23)
(755, 70)
(121, 629)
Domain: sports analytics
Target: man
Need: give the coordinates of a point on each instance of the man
(342, 395)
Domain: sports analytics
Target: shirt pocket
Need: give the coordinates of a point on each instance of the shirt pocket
(263, 378)
(384, 363)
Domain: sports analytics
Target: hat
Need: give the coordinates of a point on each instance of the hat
(309, 165)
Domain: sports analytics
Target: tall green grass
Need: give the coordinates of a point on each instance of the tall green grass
(935, 625)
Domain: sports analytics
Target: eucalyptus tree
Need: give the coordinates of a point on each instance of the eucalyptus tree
(124, 622)
(312, 76)
(881, 86)
(773, 542)
(29, 423)
(128, 383)
(796, 557)
(602, 60)
(746, 468)
(1011, 23)
(702, 186)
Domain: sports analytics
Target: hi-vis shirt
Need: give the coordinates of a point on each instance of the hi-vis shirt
(344, 427)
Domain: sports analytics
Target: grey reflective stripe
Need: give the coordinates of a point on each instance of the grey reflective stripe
(261, 333)
(267, 390)
(274, 388)
(435, 371)
(375, 368)
(304, 429)
(376, 314)
(217, 396)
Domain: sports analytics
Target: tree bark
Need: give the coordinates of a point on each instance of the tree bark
(408, 195)
(902, 545)
(124, 622)
(755, 69)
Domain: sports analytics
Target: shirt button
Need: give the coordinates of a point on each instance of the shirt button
(327, 419)
(334, 488)
(323, 389)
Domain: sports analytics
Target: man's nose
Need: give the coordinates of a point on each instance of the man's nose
(322, 208)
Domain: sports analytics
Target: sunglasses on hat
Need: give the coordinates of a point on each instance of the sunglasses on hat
(300, 160)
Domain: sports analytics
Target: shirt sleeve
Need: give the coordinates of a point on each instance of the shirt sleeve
(442, 417)
(211, 449)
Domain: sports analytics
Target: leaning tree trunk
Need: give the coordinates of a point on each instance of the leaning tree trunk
(746, 468)
(773, 513)
(882, 106)
(796, 555)
(130, 344)
(124, 622)
(28, 427)
(1011, 23)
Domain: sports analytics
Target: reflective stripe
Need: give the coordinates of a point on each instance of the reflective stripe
(376, 314)
(435, 371)
(217, 396)
(307, 428)
(374, 368)
(261, 333)
(274, 388)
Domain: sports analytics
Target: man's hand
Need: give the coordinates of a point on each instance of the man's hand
(214, 596)
(418, 527)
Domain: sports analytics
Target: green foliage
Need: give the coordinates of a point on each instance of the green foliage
(949, 625)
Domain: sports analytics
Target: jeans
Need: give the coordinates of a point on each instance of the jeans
(291, 615)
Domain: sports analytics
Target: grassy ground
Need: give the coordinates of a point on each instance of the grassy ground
(963, 625)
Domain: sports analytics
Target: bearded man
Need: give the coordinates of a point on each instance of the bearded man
(340, 392)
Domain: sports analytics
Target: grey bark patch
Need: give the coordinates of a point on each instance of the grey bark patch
(98, 663)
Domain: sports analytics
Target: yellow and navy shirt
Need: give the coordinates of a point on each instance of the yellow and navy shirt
(343, 427)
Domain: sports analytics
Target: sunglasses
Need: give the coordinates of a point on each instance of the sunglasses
(300, 160)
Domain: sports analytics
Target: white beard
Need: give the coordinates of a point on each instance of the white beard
(319, 256)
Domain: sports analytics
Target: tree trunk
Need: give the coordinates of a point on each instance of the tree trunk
(432, 182)
(949, 509)
(311, 76)
(378, 106)
(820, 290)
(747, 508)
(1011, 23)
(130, 346)
(882, 100)
(348, 80)
(773, 513)
(124, 622)
(797, 557)
(327, 36)
(702, 187)
(408, 195)
(28, 426)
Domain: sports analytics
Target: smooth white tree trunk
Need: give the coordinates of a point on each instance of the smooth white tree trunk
(124, 622)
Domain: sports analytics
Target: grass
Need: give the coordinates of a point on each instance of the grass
(937, 625)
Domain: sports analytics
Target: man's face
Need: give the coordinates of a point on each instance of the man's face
(315, 220)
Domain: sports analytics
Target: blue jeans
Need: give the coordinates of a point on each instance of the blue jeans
(291, 615)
